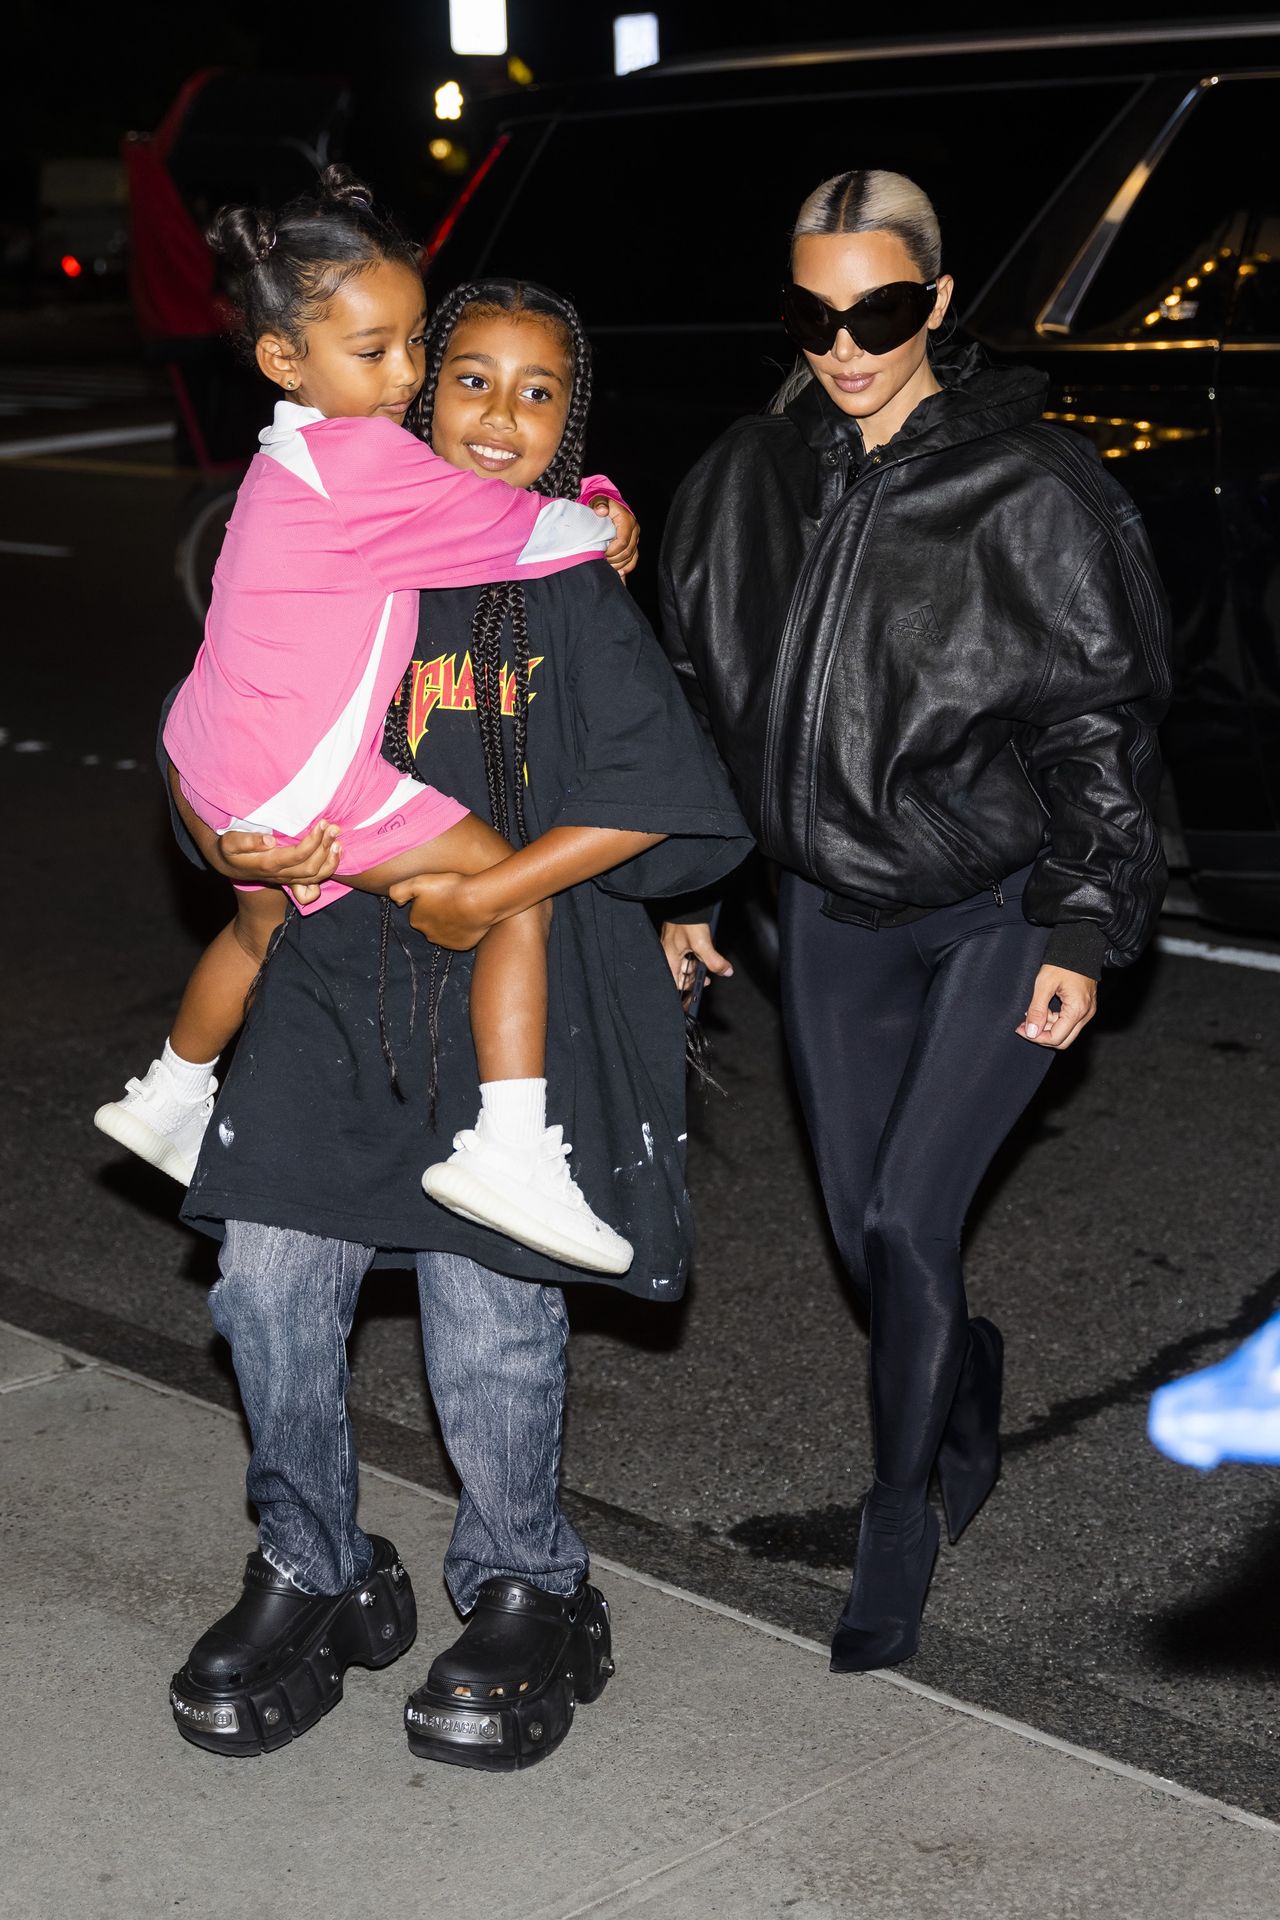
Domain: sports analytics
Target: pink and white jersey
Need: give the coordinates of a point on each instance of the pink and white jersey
(315, 613)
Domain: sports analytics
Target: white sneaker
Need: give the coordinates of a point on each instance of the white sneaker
(529, 1194)
(159, 1122)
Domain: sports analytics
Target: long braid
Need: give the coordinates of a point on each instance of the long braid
(520, 732)
(395, 745)
(399, 750)
(487, 623)
(505, 601)
(496, 605)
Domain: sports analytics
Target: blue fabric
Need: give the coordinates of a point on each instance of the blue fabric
(495, 1351)
(1227, 1412)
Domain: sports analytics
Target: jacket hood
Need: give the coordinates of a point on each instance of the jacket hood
(977, 399)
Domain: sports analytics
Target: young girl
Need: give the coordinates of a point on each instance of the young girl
(549, 706)
(339, 520)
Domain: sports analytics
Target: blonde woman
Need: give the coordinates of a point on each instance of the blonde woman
(927, 634)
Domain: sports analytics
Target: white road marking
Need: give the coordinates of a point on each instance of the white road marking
(76, 442)
(31, 746)
(1225, 956)
(41, 403)
(36, 549)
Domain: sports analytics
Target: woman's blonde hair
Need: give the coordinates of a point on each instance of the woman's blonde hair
(866, 200)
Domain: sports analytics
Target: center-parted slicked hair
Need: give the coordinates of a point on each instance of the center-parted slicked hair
(866, 200)
(497, 604)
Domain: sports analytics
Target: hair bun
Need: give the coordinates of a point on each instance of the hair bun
(343, 188)
(242, 236)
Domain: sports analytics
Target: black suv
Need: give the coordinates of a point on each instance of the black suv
(1111, 210)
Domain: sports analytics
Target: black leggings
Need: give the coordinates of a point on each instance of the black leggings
(910, 1075)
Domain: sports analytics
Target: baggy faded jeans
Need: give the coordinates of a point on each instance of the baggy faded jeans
(496, 1365)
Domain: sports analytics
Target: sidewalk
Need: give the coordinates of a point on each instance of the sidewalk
(725, 1774)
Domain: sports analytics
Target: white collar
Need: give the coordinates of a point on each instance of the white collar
(289, 418)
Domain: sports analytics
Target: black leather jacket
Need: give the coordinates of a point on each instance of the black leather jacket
(932, 665)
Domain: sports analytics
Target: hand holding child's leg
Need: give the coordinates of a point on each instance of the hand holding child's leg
(510, 1171)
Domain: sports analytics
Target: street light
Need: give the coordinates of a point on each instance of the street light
(478, 26)
(635, 41)
(449, 101)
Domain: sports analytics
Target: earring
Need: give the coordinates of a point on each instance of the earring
(290, 384)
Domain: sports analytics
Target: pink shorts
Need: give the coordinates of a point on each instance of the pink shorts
(422, 816)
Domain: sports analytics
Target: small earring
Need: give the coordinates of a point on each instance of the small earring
(290, 384)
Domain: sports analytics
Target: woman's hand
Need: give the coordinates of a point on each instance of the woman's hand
(1077, 996)
(445, 907)
(684, 945)
(624, 549)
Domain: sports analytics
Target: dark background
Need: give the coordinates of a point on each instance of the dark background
(75, 84)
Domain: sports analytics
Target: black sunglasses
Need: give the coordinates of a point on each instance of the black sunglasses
(882, 320)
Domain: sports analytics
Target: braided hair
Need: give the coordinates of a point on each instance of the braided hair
(504, 602)
(498, 604)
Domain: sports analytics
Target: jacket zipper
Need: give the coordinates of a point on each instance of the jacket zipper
(828, 668)
(787, 651)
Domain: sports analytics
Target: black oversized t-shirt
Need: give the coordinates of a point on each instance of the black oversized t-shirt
(307, 1132)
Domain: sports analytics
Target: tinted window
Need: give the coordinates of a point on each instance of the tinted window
(1256, 308)
(1170, 270)
(680, 219)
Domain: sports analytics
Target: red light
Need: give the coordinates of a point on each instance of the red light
(71, 266)
(447, 225)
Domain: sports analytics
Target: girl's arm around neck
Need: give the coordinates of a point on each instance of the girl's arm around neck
(456, 909)
(416, 521)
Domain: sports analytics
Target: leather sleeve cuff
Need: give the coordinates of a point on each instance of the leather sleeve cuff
(1078, 945)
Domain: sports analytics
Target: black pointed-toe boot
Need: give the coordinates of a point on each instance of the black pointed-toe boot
(897, 1546)
(503, 1695)
(968, 1463)
(271, 1667)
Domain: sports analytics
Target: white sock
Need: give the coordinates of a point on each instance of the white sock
(191, 1077)
(517, 1109)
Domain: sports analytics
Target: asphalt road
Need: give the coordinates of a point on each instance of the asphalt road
(1128, 1233)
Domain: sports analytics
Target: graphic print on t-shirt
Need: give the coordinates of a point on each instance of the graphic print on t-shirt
(450, 686)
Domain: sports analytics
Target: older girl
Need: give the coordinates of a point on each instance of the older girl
(549, 706)
(339, 520)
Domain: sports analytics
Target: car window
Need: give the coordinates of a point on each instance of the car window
(1169, 273)
(1255, 312)
(679, 219)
